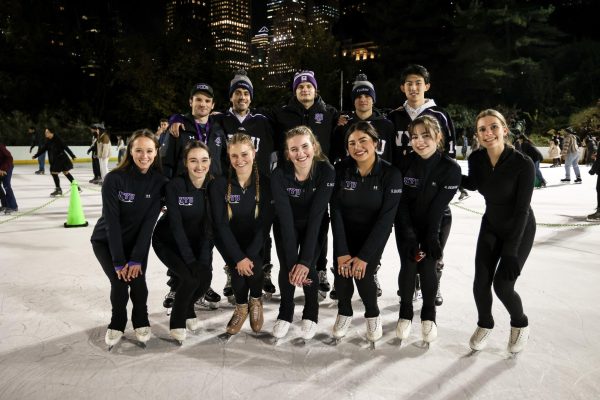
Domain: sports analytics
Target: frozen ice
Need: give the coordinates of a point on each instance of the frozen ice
(54, 310)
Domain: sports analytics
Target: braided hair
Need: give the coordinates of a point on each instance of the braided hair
(242, 138)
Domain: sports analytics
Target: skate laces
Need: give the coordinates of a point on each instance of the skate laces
(373, 323)
(516, 335)
(255, 309)
(343, 322)
(483, 333)
(236, 318)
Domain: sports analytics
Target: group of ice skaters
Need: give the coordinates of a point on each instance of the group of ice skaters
(235, 175)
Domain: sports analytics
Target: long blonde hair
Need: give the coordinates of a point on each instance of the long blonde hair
(242, 138)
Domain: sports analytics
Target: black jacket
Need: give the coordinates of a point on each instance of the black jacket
(130, 208)
(258, 127)
(531, 151)
(507, 189)
(321, 118)
(186, 225)
(429, 186)
(300, 207)
(243, 235)
(363, 209)
(215, 140)
(58, 159)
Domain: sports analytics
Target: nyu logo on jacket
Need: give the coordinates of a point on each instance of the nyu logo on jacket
(350, 185)
(411, 182)
(294, 192)
(234, 198)
(186, 201)
(126, 197)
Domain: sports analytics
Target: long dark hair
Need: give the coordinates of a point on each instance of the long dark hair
(127, 163)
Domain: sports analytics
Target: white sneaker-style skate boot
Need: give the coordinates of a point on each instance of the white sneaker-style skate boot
(178, 334)
(403, 328)
(340, 328)
(192, 324)
(280, 329)
(479, 339)
(142, 334)
(428, 331)
(518, 339)
(374, 329)
(112, 337)
(309, 328)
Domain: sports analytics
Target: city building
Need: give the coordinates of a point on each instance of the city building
(190, 18)
(286, 16)
(324, 12)
(260, 44)
(230, 32)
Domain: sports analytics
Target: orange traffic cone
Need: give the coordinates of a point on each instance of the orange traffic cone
(75, 217)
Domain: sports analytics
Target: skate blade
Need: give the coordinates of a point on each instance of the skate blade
(371, 345)
(224, 337)
(168, 311)
(110, 348)
(267, 296)
(322, 296)
(231, 300)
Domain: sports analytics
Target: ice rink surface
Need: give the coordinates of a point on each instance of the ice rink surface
(54, 309)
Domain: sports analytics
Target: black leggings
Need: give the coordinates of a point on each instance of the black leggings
(598, 192)
(243, 284)
(96, 167)
(311, 292)
(57, 180)
(322, 245)
(120, 291)
(366, 287)
(188, 289)
(488, 262)
(426, 269)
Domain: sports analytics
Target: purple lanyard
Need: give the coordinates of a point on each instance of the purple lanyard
(202, 132)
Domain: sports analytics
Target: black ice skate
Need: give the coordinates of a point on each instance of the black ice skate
(268, 286)
(169, 300)
(210, 300)
(324, 285)
(228, 290)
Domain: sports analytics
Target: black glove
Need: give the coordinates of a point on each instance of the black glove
(434, 249)
(509, 268)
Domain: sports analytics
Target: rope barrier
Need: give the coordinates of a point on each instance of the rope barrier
(33, 210)
(548, 225)
(46, 204)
